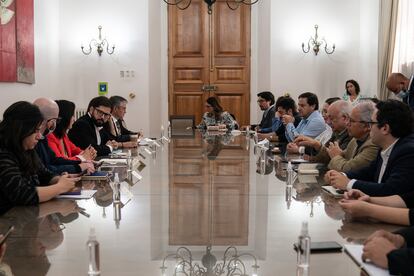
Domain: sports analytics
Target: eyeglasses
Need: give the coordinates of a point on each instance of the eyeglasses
(208, 106)
(102, 113)
(261, 100)
(362, 122)
(57, 120)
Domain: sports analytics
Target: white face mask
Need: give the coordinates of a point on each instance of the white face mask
(402, 94)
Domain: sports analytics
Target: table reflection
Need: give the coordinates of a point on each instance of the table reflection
(206, 193)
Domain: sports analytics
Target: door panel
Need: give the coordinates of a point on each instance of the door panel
(209, 50)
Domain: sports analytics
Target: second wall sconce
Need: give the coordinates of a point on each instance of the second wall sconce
(99, 44)
(315, 44)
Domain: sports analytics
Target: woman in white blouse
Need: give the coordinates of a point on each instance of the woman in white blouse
(352, 93)
(216, 118)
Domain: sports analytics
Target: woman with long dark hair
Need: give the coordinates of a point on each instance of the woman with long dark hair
(352, 92)
(215, 117)
(59, 141)
(23, 178)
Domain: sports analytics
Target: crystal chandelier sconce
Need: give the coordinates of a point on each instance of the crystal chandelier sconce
(99, 44)
(314, 43)
(232, 4)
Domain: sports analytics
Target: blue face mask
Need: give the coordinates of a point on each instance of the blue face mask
(402, 94)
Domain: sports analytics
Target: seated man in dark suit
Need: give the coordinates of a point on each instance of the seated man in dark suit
(392, 251)
(87, 129)
(116, 125)
(266, 102)
(56, 165)
(392, 172)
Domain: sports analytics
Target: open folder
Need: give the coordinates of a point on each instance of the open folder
(355, 252)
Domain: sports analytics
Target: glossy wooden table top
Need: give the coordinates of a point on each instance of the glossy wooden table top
(195, 192)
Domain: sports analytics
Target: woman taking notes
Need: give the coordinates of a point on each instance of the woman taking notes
(23, 178)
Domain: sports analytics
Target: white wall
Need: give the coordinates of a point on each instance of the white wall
(126, 26)
(138, 28)
(352, 25)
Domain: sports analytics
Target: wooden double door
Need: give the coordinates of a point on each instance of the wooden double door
(209, 55)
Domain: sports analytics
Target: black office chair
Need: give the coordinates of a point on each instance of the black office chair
(182, 125)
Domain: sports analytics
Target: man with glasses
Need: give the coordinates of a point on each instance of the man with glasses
(392, 172)
(116, 128)
(86, 131)
(337, 117)
(57, 165)
(361, 150)
(266, 102)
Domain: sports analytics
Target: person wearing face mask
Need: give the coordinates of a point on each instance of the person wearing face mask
(86, 131)
(57, 165)
(402, 87)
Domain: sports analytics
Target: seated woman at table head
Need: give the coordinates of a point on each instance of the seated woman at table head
(23, 178)
(59, 141)
(215, 117)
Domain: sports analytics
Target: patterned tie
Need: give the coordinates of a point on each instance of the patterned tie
(117, 128)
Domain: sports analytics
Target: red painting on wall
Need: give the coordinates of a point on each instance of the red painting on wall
(16, 41)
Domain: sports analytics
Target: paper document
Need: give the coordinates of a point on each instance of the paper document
(114, 161)
(308, 168)
(85, 194)
(355, 252)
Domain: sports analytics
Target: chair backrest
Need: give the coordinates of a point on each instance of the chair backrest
(182, 125)
(182, 121)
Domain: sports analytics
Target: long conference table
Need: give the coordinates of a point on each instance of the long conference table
(200, 194)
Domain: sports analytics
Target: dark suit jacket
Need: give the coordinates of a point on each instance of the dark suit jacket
(56, 165)
(83, 134)
(266, 122)
(401, 261)
(110, 130)
(410, 99)
(398, 175)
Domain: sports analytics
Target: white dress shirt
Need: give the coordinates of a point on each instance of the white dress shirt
(385, 155)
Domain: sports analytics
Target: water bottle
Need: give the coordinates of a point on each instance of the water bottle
(288, 196)
(129, 161)
(304, 242)
(93, 248)
(169, 129)
(301, 150)
(117, 204)
(116, 188)
(289, 172)
(162, 131)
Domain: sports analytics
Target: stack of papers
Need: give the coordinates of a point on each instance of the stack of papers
(355, 252)
(84, 194)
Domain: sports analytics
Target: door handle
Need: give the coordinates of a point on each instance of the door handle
(208, 88)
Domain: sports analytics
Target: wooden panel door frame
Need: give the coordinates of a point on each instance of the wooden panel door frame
(209, 64)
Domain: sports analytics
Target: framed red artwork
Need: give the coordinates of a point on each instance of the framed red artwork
(16, 41)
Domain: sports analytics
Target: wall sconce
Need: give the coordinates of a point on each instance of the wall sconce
(99, 44)
(232, 4)
(315, 44)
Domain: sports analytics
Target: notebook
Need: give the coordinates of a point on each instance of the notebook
(97, 175)
(355, 252)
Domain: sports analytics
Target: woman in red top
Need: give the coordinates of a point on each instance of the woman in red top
(59, 141)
